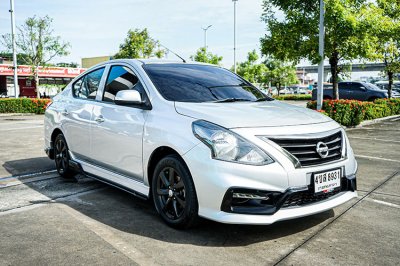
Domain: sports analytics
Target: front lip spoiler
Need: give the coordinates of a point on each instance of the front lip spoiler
(348, 184)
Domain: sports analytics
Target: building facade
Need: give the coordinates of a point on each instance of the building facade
(51, 80)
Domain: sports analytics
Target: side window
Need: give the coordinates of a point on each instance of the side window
(354, 86)
(344, 86)
(121, 78)
(87, 86)
(78, 90)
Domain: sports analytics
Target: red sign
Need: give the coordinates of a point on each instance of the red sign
(55, 72)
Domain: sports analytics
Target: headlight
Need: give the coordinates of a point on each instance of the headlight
(228, 146)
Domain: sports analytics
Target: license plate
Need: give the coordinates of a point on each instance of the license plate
(327, 181)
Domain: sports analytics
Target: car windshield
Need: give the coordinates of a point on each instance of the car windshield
(201, 83)
(372, 86)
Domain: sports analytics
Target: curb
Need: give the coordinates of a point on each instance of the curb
(17, 114)
(373, 121)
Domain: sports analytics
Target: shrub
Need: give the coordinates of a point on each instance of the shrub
(352, 113)
(293, 97)
(23, 105)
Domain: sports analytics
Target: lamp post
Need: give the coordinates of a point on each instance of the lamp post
(16, 90)
(320, 90)
(205, 36)
(234, 34)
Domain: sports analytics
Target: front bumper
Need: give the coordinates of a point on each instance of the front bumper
(269, 202)
(215, 179)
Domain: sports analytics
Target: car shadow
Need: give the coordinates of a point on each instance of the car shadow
(124, 212)
(27, 166)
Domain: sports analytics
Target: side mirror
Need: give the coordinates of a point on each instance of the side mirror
(128, 97)
(363, 88)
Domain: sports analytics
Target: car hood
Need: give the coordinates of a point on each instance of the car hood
(251, 114)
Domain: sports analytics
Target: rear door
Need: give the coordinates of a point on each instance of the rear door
(77, 113)
(345, 91)
(359, 92)
(117, 130)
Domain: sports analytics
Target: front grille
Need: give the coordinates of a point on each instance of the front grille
(306, 197)
(305, 149)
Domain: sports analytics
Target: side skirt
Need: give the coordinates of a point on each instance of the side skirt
(125, 183)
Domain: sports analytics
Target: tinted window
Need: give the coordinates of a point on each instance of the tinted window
(372, 86)
(86, 87)
(355, 86)
(200, 83)
(121, 78)
(344, 86)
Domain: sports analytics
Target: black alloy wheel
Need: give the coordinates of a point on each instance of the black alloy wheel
(174, 194)
(61, 157)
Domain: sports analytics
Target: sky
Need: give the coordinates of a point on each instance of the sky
(97, 27)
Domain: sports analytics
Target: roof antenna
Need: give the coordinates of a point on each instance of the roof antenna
(169, 50)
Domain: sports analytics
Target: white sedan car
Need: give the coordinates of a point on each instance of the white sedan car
(199, 141)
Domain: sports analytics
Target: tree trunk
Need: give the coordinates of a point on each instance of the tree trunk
(278, 87)
(333, 61)
(390, 76)
(37, 82)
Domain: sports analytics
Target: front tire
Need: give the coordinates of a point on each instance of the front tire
(61, 157)
(174, 194)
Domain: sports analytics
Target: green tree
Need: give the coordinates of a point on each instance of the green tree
(139, 44)
(387, 30)
(295, 37)
(37, 41)
(250, 70)
(72, 64)
(206, 57)
(22, 59)
(280, 73)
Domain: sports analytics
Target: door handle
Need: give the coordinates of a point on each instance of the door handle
(99, 119)
(65, 112)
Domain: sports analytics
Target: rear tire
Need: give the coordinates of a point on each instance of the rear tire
(62, 158)
(372, 99)
(174, 194)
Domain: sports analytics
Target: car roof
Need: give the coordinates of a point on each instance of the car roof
(154, 61)
(140, 62)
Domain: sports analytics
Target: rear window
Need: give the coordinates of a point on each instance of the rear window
(200, 83)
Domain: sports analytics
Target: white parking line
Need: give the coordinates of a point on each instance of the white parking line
(379, 129)
(19, 128)
(11, 182)
(27, 175)
(376, 158)
(384, 203)
(384, 140)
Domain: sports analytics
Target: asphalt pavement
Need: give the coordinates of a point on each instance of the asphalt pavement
(45, 220)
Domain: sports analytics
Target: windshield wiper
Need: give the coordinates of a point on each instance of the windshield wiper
(229, 100)
(264, 99)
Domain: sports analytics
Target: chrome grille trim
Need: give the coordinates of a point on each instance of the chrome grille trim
(305, 148)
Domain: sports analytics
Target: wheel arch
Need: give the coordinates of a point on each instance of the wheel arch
(50, 149)
(372, 98)
(55, 133)
(156, 156)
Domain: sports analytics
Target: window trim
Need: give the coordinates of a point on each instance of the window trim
(147, 104)
(84, 76)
